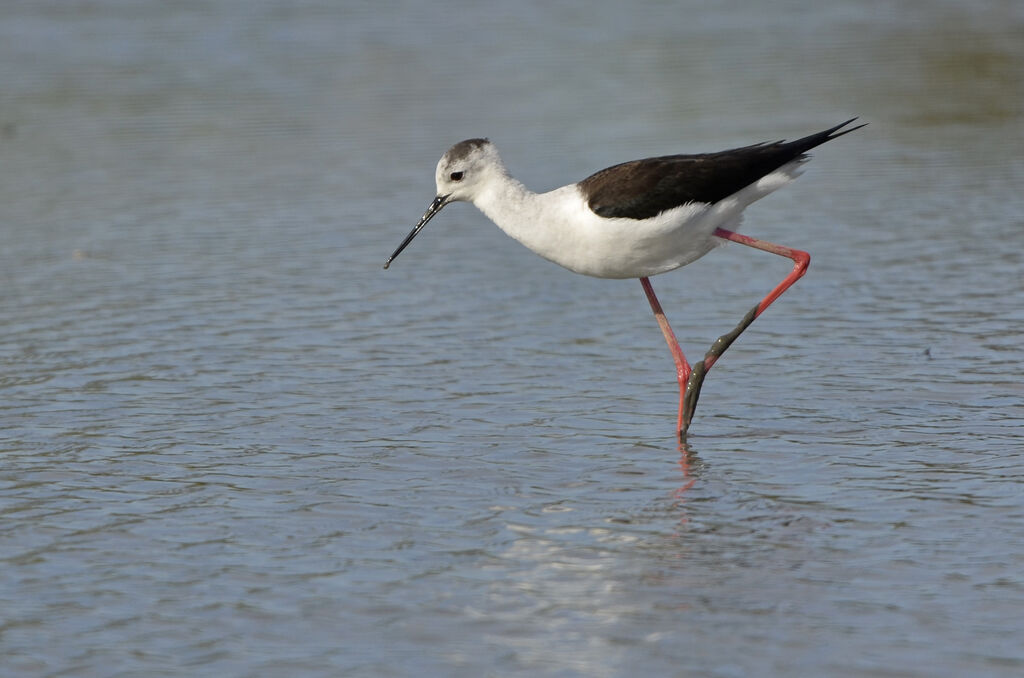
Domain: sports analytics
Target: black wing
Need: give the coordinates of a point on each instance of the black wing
(644, 188)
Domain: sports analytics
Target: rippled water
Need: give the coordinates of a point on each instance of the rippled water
(232, 445)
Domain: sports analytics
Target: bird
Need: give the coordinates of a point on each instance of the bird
(636, 219)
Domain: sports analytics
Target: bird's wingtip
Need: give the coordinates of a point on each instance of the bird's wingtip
(832, 133)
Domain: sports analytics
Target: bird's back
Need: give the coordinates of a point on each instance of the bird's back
(641, 189)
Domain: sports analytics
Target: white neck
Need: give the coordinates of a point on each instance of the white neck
(534, 219)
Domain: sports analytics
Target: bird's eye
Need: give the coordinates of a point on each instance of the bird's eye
(456, 176)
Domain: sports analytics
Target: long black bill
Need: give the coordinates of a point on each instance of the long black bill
(435, 207)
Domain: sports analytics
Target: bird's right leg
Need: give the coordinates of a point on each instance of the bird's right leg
(682, 367)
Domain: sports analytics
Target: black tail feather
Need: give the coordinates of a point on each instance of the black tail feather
(801, 146)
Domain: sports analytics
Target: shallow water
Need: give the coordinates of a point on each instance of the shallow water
(232, 445)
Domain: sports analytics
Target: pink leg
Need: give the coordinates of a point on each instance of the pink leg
(682, 367)
(800, 259)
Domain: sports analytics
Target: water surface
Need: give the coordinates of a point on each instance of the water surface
(232, 445)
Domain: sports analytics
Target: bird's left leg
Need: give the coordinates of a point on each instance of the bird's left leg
(695, 379)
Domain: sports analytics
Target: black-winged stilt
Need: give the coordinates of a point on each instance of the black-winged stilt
(635, 220)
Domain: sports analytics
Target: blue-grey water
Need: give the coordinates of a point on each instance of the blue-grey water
(232, 445)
